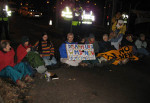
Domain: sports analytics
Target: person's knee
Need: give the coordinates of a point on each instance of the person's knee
(54, 61)
(22, 64)
(9, 68)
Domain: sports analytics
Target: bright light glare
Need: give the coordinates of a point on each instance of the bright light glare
(86, 22)
(67, 13)
(50, 22)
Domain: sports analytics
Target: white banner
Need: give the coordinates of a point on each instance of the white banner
(80, 51)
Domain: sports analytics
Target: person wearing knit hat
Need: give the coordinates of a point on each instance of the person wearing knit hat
(91, 40)
(24, 40)
(141, 45)
(10, 69)
(24, 50)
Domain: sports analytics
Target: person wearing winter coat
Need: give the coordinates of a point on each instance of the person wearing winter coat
(63, 52)
(24, 49)
(91, 40)
(141, 45)
(46, 50)
(105, 44)
(9, 69)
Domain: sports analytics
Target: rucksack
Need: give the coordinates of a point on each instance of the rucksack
(34, 59)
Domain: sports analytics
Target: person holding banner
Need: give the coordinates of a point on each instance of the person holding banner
(105, 45)
(63, 52)
(91, 40)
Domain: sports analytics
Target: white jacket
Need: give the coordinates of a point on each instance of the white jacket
(139, 44)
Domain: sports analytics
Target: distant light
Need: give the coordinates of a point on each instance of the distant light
(77, 0)
(88, 1)
(104, 7)
(20, 3)
(61, 3)
(50, 22)
(47, 2)
(54, 7)
(95, 4)
(107, 17)
(108, 23)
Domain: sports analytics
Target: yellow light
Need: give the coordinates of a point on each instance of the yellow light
(95, 4)
(20, 3)
(88, 1)
(77, 0)
(47, 2)
(61, 3)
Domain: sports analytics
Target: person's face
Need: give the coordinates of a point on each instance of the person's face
(70, 38)
(92, 39)
(45, 37)
(83, 40)
(7, 49)
(105, 38)
(26, 43)
(129, 38)
(143, 38)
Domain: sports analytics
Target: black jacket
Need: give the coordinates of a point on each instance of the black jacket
(105, 46)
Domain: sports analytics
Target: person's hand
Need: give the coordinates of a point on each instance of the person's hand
(51, 56)
(41, 55)
(28, 50)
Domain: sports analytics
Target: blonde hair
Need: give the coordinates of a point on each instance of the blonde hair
(70, 34)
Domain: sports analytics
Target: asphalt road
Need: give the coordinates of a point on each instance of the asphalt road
(114, 84)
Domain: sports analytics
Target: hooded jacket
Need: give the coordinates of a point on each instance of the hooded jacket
(21, 52)
(7, 59)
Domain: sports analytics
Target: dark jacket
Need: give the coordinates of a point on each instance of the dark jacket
(125, 42)
(105, 46)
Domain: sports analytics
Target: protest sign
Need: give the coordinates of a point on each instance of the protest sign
(80, 51)
(119, 55)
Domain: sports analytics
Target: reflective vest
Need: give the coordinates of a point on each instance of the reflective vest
(67, 13)
(87, 17)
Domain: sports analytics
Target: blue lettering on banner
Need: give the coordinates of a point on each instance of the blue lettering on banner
(76, 46)
(69, 46)
(86, 52)
(76, 52)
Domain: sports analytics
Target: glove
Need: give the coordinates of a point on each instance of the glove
(51, 56)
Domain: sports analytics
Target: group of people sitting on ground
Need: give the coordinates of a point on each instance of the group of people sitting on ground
(113, 41)
(21, 64)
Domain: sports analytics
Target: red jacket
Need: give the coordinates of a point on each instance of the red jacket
(7, 59)
(21, 52)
